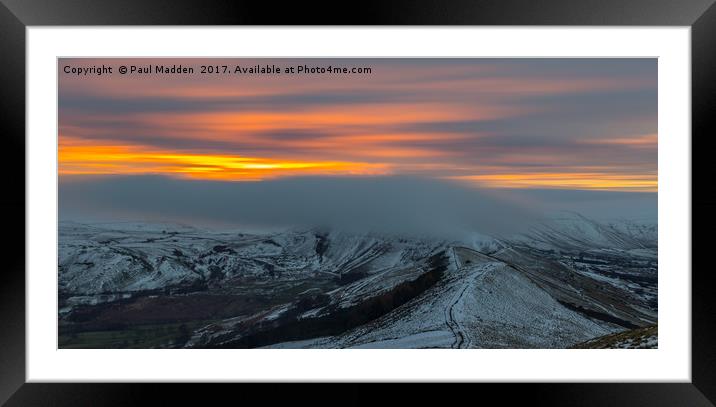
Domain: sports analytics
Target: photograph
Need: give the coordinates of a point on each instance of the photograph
(342, 203)
(226, 200)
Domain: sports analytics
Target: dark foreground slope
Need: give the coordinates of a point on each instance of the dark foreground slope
(640, 338)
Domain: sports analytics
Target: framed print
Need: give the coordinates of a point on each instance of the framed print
(506, 200)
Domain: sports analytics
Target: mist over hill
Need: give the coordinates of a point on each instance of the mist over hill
(394, 205)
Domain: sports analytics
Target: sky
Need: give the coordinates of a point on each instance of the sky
(570, 124)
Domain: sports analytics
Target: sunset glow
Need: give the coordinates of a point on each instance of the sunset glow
(495, 123)
(132, 160)
(596, 181)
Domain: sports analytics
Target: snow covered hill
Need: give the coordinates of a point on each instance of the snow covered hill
(570, 231)
(565, 281)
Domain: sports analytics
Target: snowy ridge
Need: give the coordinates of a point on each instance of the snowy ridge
(571, 231)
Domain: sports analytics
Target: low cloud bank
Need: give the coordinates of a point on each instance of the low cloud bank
(395, 205)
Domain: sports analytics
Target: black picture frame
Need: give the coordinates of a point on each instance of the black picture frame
(16, 15)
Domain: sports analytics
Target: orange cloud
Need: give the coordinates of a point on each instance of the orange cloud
(647, 140)
(78, 158)
(326, 117)
(591, 180)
